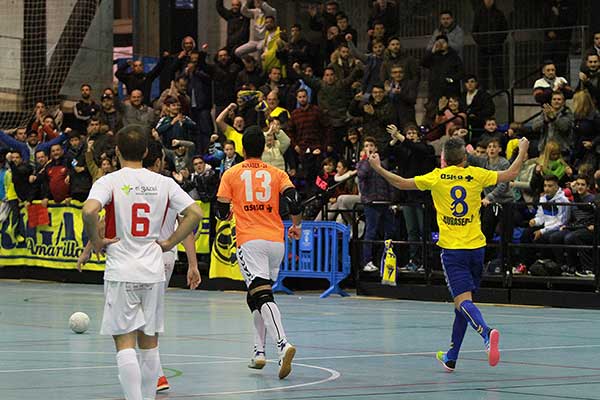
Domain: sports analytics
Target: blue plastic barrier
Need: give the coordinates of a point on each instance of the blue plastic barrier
(317, 255)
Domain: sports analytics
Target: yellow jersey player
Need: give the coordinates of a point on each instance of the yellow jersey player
(456, 192)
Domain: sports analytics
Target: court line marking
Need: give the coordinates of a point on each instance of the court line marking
(238, 359)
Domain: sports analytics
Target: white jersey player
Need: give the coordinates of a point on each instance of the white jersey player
(154, 161)
(136, 202)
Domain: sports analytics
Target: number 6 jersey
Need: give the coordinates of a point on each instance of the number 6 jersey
(456, 193)
(253, 187)
(136, 203)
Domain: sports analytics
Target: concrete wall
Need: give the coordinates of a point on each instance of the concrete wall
(93, 63)
(11, 37)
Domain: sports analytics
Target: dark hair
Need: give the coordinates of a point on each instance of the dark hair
(558, 92)
(74, 134)
(378, 22)
(443, 12)
(253, 141)
(482, 144)
(197, 157)
(392, 38)
(341, 15)
(345, 44)
(411, 125)
(546, 63)
(492, 118)
(471, 76)
(327, 160)
(93, 119)
(84, 85)
(272, 68)
(270, 16)
(495, 140)
(301, 90)
(297, 26)
(552, 178)
(454, 151)
(378, 85)
(38, 150)
(132, 142)
(155, 152)
(377, 41)
(328, 69)
(443, 37)
(231, 142)
(370, 139)
(591, 54)
(345, 163)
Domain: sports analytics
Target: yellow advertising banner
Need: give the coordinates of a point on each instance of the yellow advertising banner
(56, 245)
(202, 234)
(223, 257)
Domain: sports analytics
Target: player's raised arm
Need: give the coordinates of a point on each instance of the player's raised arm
(511, 173)
(395, 180)
(192, 215)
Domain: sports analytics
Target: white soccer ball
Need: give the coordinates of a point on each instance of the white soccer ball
(79, 322)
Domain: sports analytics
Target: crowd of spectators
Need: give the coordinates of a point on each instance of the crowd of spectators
(324, 106)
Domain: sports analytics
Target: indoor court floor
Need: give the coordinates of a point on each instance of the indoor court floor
(348, 348)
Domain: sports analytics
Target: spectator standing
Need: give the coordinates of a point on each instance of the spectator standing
(489, 32)
(377, 113)
(549, 83)
(109, 115)
(137, 79)
(136, 112)
(238, 26)
(257, 16)
(85, 108)
(449, 28)
(386, 12)
(402, 94)
(555, 123)
(559, 16)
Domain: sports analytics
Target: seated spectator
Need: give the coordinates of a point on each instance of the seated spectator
(490, 132)
(402, 94)
(137, 79)
(551, 163)
(478, 103)
(579, 230)
(174, 125)
(377, 113)
(548, 219)
(586, 131)
(449, 28)
(549, 83)
(449, 116)
(135, 112)
(373, 189)
(500, 193)
(235, 131)
(276, 144)
(319, 187)
(346, 194)
(351, 147)
(231, 156)
(555, 123)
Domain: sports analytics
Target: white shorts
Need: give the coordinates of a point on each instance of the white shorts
(169, 261)
(260, 258)
(133, 306)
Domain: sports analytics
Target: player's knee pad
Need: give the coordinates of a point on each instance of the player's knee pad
(251, 303)
(261, 292)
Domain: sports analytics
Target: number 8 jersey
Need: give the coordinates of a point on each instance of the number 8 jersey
(456, 193)
(253, 187)
(136, 203)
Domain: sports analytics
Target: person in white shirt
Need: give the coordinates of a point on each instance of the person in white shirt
(154, 161)
(136, 201)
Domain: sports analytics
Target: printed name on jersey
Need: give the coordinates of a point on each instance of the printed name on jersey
(468, 178)
(258, 207)
(454, 221)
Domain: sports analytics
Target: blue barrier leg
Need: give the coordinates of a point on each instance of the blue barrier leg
(334, 289)
(280, 287)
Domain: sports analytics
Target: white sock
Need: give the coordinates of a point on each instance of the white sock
(129, 374)
(272, 317)
(150, 367)
(260, 331)
(160, 372)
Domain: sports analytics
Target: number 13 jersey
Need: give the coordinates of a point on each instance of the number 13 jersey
(136, 203)
(253, 187)
(456, 193)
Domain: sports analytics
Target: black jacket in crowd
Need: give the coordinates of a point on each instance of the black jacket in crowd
(142, 81)
(445, 73)
(481, 107)
(238, 26)
(485, 23)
